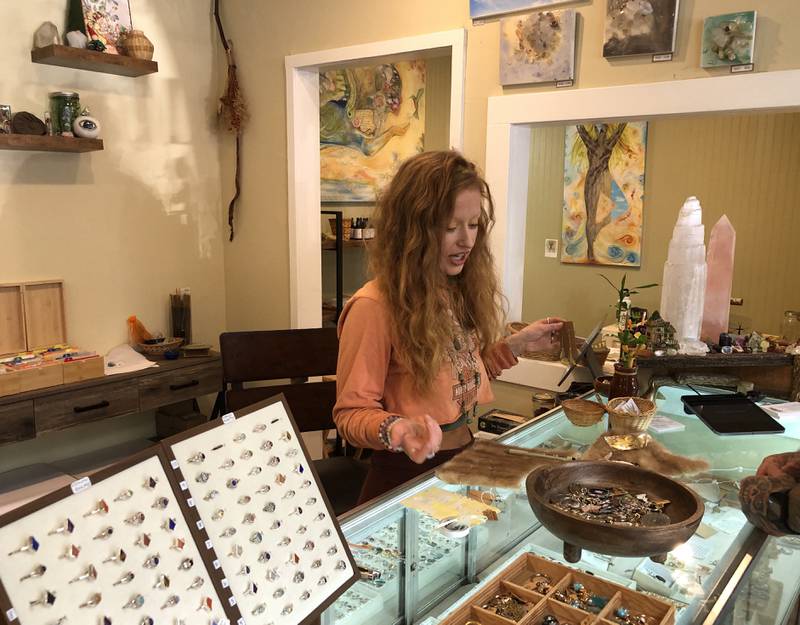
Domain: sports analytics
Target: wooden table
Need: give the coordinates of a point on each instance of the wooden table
(27, 415)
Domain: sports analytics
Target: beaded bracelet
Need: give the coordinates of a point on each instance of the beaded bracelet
(384, 431)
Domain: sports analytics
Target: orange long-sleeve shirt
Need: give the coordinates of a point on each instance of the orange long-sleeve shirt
(371, 383)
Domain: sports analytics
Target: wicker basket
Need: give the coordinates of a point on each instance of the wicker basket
(623, 422)
(582, 412)
(550, 356)
(157, 350)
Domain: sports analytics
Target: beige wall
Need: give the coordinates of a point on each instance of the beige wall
(744, 166)
(256, 264)
(125, 226)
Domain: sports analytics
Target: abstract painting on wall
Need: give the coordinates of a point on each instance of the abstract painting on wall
(370, 120)
(640, 27)
(603, 194)
(479, 9)
(537, 47)
(106, 20)
(728, 39)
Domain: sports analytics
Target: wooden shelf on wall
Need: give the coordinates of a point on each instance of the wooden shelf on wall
(46, 143)
(330, 244)
(89, 60)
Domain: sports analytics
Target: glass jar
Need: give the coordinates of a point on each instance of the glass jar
(65, 107)
(790, 326)
(542, 402)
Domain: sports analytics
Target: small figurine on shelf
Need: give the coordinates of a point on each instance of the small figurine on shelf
(86, 126)
(96, 45)
(76, 39)
(661, 336)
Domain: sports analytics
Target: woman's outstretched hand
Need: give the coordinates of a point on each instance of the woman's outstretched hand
(418, 437)
(539, 336)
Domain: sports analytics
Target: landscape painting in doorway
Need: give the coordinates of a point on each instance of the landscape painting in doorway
(371, 119)
(604, 166)
(479, 9)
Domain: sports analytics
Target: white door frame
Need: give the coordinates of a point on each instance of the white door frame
(508, 138)
(302, 130)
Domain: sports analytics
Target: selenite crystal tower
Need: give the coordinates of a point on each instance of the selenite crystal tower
(684, 285)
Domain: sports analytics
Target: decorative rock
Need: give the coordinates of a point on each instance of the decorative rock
(46, 35)
(24, 123)
(684, 283)
(86, 126)
(76, 39)
(96, 45)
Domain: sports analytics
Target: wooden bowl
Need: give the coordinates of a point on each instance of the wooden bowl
(685, 510)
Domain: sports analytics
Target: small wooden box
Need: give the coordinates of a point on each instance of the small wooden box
(31, 318)
(512, 581)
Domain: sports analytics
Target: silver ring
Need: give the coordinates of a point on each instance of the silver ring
(430, 456)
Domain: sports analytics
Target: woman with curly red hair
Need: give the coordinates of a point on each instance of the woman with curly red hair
(420, 342)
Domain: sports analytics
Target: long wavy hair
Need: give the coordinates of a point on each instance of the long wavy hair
(411, 217)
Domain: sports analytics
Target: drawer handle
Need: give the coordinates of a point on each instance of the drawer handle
(178, 387)
(98, 405)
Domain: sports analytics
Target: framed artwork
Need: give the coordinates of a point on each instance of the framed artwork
(603, 194)
(537, 47)
(370, 120)
(106, 20)
(728, 39)
(640, 27)
(478, 9)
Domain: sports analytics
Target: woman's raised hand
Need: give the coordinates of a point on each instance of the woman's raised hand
(539, 336)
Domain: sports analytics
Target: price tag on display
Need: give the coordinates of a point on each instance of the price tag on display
(661, 58)
(741, 69)
(224, 582)
(201, 525)
(564, 83)
(174, 464)
(209, 545)
(228, 418)
(190, 502)
(232, 601)
(11, 615)
(78, 486)
(240, 621)
(216, 565)
(184, 485)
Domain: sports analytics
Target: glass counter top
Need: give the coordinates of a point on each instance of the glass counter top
(423, 575)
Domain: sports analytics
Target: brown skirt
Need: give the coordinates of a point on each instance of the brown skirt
(389, 469)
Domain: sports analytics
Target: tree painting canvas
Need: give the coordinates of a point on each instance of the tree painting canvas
(370, 120)
(537, 47)
(478, 9)
(728, 39)
(640, 27)
(604, 194)
(106, 20)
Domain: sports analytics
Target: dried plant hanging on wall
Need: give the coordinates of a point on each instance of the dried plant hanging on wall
(232, 111)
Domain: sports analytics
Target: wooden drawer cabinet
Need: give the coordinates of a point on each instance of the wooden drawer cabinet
(159, 390)
(16, 422)
(63, 410)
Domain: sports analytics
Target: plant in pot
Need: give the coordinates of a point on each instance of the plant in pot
(624, 296)
(625, 382)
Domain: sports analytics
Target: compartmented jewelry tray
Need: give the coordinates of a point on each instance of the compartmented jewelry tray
(535, 591)
(113, 548)
(254, 490)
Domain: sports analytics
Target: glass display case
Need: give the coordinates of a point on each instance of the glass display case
(728, 572)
